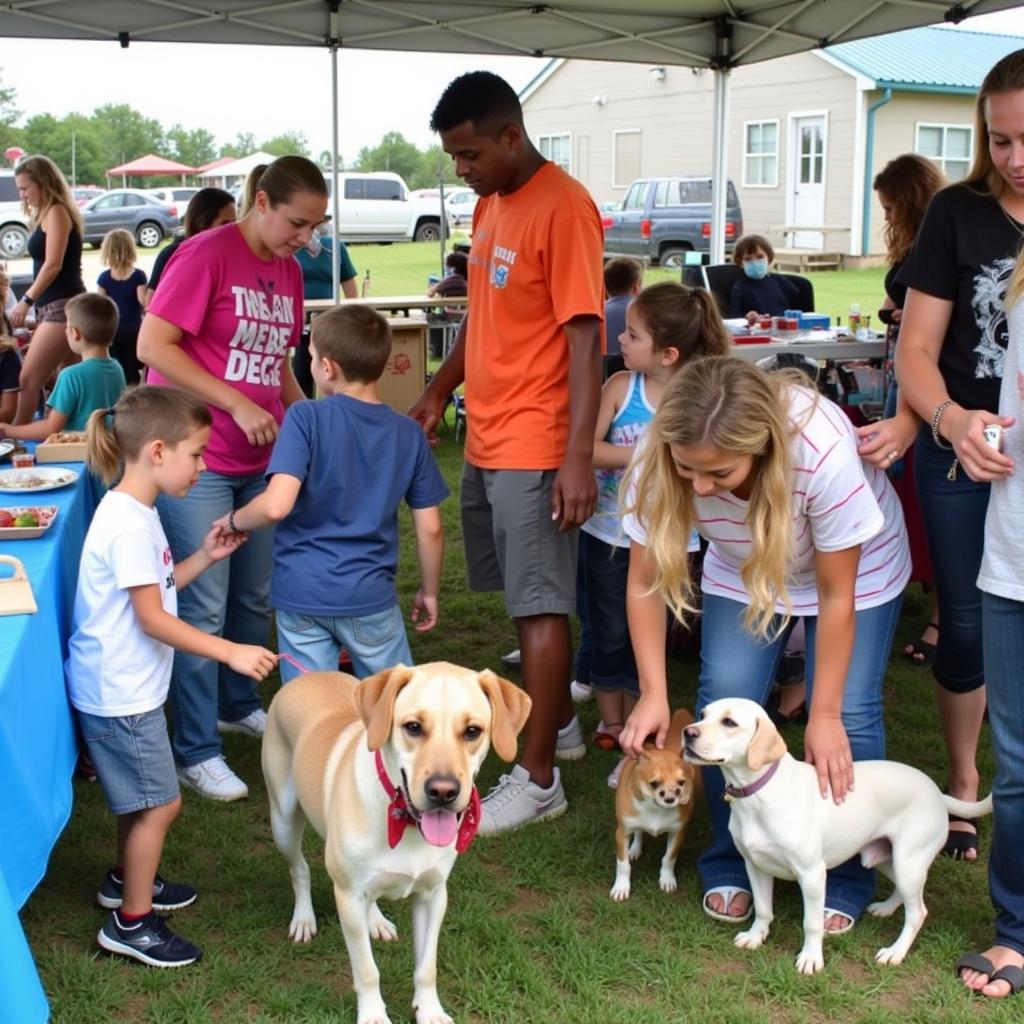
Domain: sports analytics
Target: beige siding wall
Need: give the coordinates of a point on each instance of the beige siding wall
(674, 117)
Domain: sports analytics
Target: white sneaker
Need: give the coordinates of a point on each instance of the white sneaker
(569, 744)
(252, 725)
(581, 692)
(613, 775)
(516, 800)
(214, 779)
(513, 659)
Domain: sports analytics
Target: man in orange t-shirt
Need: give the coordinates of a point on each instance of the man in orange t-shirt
(529, 352)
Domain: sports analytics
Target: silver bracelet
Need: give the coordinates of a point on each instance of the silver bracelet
(936, 416)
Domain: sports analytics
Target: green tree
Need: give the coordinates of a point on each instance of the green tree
(195, 147)
(127, 134)
(434, 165)
(324, 160)
(74, 143)
(244, 144)
(9, 113)
(392, 153)
(286, 144)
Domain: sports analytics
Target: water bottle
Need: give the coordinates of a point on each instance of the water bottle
(854, 319)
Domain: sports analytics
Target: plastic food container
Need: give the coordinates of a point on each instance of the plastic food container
(23, 460)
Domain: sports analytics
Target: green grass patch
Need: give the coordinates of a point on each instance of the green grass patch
(531, 934)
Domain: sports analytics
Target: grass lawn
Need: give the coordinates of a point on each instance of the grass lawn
(531, 933)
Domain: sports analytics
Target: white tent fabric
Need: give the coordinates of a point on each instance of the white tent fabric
(239, 168)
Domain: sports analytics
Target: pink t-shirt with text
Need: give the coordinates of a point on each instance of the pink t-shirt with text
(239, 315)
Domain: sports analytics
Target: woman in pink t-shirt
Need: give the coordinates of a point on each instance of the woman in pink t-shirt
(767, 472)
(228, 309)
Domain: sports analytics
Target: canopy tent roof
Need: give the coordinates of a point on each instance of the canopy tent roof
(704, 33)
(238, 168)
(150, 165)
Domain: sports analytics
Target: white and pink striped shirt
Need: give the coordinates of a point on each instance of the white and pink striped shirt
(838, 502)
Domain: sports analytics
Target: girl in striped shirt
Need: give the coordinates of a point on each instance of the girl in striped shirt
(767, 472)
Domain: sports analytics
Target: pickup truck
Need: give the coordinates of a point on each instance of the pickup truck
(377, 206)
(661, 219)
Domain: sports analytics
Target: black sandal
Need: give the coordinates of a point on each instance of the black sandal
(958, 842)
(919, 651)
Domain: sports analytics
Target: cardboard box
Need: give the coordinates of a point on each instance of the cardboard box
(405, 375)
(74, 451)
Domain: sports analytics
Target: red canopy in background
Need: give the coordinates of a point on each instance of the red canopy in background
(149, 166)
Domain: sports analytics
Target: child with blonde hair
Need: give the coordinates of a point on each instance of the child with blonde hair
(10, 360)
(767, 472)
(125, 283)
(667, 325)
(125, 632)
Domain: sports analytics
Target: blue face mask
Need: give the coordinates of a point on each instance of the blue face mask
(755, 269)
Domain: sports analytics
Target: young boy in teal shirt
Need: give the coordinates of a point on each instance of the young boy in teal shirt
(94, 383)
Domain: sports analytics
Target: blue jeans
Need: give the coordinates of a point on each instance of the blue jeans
(736, 664)
(582, 673)
(374, 642)
(954, 522)
(230, 599)
(1004, 680)
(612, 665)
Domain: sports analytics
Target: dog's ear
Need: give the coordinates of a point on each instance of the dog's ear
(766, 746)
(510, 708)
(375, 698)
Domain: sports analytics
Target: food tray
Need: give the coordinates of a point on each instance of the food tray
(45, 513)
(73, 451)
(37, 478)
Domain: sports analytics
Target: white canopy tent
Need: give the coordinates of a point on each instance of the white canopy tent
(715, 34)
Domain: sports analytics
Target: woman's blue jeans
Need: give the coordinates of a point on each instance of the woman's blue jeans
(954, 521)
(230, 599)
(1003, 631)
(736, 664)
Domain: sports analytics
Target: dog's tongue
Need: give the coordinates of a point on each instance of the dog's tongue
(439, 827)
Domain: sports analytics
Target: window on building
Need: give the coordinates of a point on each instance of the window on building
(761, 154)
(625, 158)
(557, 149)
(949, 145)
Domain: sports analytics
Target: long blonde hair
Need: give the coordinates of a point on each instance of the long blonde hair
(1006, 75)
(53, 190)
(118, 251)
(732, 405)
(1016, 283)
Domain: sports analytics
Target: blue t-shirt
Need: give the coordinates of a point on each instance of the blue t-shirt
(336, 553)
(85, 387)
(771, 296)
(316, 271)
(125, 294)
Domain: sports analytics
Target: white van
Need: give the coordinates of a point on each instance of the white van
(13, 222)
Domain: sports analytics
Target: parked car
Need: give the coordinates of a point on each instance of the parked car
(377, 206)
(178, 196)
(83, 193)
(13, 222)
(664, 218)
(461, 202)
(145, 217)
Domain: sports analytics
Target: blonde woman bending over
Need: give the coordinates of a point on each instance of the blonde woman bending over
(55, 246)
(797, 525)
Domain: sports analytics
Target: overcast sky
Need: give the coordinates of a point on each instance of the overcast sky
(268, 90)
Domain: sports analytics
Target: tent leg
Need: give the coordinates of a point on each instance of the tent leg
(719, 165)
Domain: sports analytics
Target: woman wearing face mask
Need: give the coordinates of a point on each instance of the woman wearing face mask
(759, 293)
(220, 326)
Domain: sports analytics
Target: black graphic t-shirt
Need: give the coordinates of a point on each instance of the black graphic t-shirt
(965, 253)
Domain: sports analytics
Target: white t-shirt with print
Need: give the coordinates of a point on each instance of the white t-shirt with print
(113, 667)
(1002, 564)
(838, 502)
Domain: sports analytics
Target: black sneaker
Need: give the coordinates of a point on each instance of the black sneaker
(149, 941)
(166, 895)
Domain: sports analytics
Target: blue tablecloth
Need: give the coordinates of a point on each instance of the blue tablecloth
(37, 743)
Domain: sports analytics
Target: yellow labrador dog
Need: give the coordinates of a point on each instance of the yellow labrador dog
(895, 817)
(383, 769)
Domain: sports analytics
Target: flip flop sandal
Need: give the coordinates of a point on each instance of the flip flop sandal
(727, 892)
(605, 740)
(958, 843)
(921, 652)
(975, 962)
(829, 912)
(1013, 976)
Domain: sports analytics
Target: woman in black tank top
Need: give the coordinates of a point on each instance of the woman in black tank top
(56, 250)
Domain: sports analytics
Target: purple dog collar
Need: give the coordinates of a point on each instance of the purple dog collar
(735, 792)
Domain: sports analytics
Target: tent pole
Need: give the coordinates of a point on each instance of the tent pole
(720, 144)
(335, 207)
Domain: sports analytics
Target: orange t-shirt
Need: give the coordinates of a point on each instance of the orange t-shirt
(536, 263)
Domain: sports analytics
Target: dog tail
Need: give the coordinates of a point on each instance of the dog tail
(966, 808)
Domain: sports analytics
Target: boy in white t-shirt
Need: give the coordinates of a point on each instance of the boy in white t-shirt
(120, 653)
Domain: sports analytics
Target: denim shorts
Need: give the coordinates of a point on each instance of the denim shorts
(52, 312)
(133, 759)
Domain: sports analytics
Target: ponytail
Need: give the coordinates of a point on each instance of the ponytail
(103, 454)
(683, 318)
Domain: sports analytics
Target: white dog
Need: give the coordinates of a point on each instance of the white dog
(384, 770)
(895, 818)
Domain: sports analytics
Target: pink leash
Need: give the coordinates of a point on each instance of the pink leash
(294, 662)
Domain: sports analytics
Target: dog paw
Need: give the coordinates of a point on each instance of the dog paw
(890, 955)
(431, 1013)
(375, 1013)
(620, 892)
(302, 928)
(667, 881)
(810, 961)
(752, 938)
(379, 927)
(885, 908)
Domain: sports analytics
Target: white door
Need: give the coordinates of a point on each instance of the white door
(809, 180)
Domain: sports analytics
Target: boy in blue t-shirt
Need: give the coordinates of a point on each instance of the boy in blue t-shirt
(94, 383)
(341, 467)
